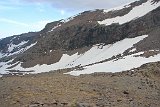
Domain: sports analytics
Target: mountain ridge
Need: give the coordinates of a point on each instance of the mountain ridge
(79, 34)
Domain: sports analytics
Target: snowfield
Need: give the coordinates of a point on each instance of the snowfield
(13, 46)
(136, 12)
(58, 25)
(124, 64)
(22, 49)
(1, 55)
(96, 54)
(119, 7)
(5, 65)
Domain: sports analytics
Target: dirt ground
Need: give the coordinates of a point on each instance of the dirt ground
(138, 88)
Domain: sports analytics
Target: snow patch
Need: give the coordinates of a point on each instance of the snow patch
(99, 52)
(124, 64)
(22, 50)
(118, 8)
(133, 50)
(136, 12)
(55, 27)
(1, 55)
(4, 66)
(95, 54)
(13, 46)
(13, 38)
(70, 18)
(19, 51)
(46, 68)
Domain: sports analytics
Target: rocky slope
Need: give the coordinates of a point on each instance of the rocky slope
(140, 88)
(85, 40)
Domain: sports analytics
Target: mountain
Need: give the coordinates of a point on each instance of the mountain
(113, 40)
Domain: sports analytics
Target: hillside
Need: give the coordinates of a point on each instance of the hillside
(98, 58)
(88, 42)
(140, 88)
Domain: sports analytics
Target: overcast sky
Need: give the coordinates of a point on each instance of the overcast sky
(20, 16)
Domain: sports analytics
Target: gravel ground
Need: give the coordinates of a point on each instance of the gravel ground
(138, 88)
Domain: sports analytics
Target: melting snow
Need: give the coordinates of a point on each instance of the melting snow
(67, 20)
(1, 55)
(95, 54)
(117, 8)
(134, 49)
(5, 65)
(13, 46)
(22, 50)
(136, 12)
(54, 27)
(46, 68)
(70, 18)
(124, 64)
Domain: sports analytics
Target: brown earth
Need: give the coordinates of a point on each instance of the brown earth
(138, 88)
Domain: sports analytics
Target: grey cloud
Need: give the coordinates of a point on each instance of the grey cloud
(82, 4)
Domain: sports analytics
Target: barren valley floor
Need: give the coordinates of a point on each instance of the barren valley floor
(140, 88)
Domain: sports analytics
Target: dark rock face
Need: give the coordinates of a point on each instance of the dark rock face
(31, 37)
(77, 36)
(51, 25)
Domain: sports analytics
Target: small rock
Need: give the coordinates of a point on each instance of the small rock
(82, 105)
(125, 92)
(64, 103)
(119, 100)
